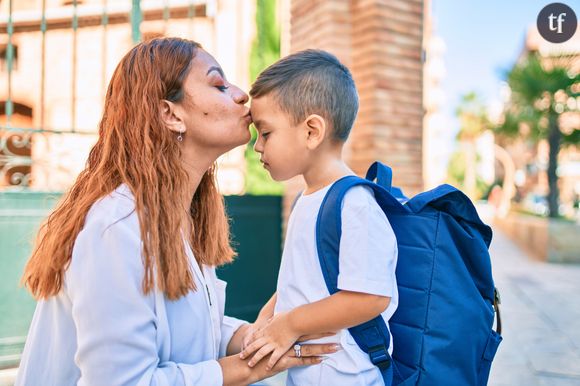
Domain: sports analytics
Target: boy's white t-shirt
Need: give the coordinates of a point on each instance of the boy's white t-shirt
(367, 261)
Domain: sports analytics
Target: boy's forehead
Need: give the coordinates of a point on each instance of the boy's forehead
(265, 108)
(262, 102)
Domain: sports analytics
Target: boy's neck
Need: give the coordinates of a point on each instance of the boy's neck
(324, 170)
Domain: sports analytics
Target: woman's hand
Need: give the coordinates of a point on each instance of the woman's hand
(236, 371)
(310, 354)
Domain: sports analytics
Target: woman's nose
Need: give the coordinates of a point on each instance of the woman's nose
(240, 97)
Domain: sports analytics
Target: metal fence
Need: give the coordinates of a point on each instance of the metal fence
(71, 17)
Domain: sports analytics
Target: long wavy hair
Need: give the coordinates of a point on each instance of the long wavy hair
(135, 148)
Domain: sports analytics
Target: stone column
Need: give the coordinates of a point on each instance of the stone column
(324, 24)
(381, 41)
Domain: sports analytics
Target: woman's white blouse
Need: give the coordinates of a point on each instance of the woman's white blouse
(102, 330)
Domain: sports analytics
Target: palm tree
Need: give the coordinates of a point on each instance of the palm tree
(474, 121)
(541, 91)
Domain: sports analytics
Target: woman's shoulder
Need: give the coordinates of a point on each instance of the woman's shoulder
(118, 207)
(111, 222)
(109, 242)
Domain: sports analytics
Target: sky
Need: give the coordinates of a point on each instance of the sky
(483, 39)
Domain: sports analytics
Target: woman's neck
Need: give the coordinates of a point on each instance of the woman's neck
(196, 164)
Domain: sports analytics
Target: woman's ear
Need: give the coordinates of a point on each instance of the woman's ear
(315, 131)
(171, 117)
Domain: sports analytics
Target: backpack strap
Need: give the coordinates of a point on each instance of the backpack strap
(373, 336)
(384, 176)
(382, 173)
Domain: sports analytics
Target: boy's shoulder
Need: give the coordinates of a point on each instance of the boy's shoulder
(360, 208)
(361, 197)
(356, 200)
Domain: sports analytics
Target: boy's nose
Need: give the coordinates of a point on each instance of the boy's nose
(258, 145)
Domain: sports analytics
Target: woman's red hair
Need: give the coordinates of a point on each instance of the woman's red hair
(135, 148)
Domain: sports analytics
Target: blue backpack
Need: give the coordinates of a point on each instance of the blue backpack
(443, 327)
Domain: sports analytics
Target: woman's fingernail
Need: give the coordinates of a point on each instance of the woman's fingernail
(336, 347)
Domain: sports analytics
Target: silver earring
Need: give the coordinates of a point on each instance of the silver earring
(180, 136)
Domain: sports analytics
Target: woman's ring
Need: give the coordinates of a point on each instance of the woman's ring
(297, 352)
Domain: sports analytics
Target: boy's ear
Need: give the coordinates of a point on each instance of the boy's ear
(171, 117)
(315, 131)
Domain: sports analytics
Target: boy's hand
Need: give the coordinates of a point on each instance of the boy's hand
(249, 336)
(266, 313)
(276, 337)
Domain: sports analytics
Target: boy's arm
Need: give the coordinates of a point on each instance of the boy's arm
(342, 310)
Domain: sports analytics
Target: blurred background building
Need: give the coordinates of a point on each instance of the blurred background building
(63, 54)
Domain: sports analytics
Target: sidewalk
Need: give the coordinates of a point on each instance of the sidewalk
(541, 313)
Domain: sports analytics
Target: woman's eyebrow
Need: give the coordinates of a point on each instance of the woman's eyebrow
(216, 68)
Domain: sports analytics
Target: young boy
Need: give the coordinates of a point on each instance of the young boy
(304, 107)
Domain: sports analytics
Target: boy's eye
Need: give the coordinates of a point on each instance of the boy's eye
(264, 135)
(222, 88)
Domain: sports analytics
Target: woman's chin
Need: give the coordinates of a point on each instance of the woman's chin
(241, 142)
(246, 136)
(236, 139)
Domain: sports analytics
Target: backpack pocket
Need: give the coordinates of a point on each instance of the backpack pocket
(493, 342)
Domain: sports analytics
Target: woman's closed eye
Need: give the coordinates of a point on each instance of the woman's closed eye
(222, 88)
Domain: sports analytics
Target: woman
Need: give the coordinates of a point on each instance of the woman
(124, 267)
